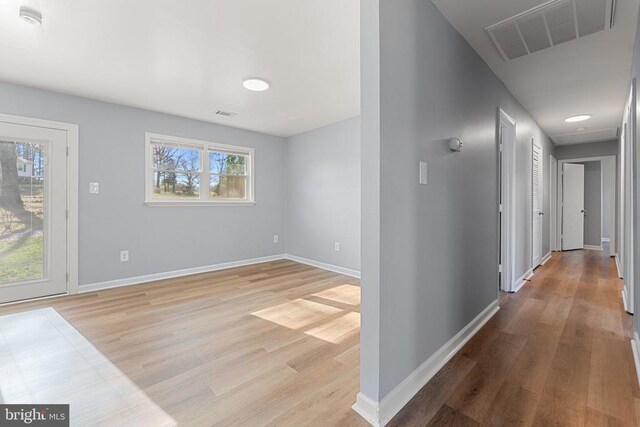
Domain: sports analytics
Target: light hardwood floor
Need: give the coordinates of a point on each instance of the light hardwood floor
(556, 354)
(275, 343)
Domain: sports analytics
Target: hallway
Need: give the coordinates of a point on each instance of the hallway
(557, 353)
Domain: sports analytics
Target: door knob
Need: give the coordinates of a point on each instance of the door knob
(540, 213)
(582, 211)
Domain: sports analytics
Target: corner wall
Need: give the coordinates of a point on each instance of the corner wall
(323, 194)
(438, 243)
(160, 239)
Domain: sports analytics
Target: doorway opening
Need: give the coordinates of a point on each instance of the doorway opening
(587, 204)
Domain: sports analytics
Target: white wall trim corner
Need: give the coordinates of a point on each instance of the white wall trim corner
(380, 413)
(324, 265)
(368, 409)
(624, 299)
(618, 266)
(592, 247)
(545, 258)
(522, 280)
(175, 273)
(635, 348)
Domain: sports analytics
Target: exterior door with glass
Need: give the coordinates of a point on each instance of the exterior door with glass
(33, 212)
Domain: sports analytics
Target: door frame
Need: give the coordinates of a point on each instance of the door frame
(612, 224)
(553, 206)
(534, 145)
(506, 176)
(72, 131)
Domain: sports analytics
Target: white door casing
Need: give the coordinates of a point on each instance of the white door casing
(573, 206)
(537, 199)
(506, 134)
(553, 195)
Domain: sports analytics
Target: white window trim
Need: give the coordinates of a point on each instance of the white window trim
(150, 201)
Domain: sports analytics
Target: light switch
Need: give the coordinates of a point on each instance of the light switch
(423, 172)
(94, 188)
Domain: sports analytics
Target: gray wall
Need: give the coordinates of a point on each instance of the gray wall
(635, 74)
(592, 203)
(160, 239)
(435, 266)
(592, 149)
(323, 194)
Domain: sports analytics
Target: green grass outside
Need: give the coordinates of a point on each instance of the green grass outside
(21, 259)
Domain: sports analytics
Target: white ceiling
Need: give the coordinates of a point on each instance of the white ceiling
(189, 57)
(588, 75)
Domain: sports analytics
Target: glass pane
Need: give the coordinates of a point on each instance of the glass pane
(228, 187)
(227, 164)
(171, 185)
(22, 208)
(175, 158)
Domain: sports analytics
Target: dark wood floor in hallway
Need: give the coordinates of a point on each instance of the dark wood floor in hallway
(556, 354)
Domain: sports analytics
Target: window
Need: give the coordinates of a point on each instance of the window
(182, 171)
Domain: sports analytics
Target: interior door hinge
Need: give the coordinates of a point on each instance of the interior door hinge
(67, 277)
(500, 207)
(66, 214)
(67, 151)
(499, 268)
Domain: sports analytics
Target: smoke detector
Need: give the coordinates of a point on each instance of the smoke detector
(30, 16)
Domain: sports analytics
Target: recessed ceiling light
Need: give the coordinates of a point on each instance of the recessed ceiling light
(31, 16)
(578, 118)
(581, 129)
(255, 84)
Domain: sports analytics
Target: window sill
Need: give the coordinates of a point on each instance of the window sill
(158, 203)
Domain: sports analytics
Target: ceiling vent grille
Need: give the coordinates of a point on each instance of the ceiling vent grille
(225, 113)
(550, 24)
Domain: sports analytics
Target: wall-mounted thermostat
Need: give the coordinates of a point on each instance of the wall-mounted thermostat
(455, 144)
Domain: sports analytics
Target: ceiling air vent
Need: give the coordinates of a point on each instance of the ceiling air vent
(550, 24)
(225, 113)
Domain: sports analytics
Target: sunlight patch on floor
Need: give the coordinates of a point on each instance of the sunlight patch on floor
(345, 294)
(297, 313)
(338, 329)
(44, 360)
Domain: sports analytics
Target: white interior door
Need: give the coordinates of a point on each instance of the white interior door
(537, 205)
(572, 206)
(33, 206)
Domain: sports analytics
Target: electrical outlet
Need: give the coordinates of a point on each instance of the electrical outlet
(94, 188)
(336, 246)
(124, 256)
(276, 238)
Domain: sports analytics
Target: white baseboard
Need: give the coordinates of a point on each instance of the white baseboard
(624, 299)
(618, 266)
(522, 280)
(380, 413)
(324, 265)
(368, 409)
(176, 273)
(546, 258)
(635, 348)
(592, 247)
